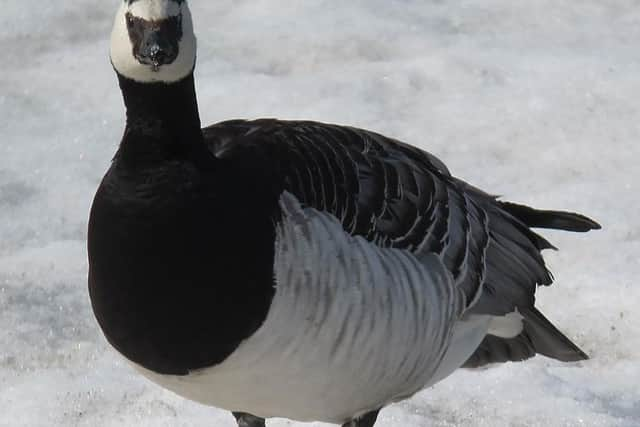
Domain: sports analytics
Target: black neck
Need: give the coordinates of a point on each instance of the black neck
(162, 121)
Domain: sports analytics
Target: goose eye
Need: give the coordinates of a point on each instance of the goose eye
(129, 21)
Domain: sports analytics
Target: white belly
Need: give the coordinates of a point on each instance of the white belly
(352, 327)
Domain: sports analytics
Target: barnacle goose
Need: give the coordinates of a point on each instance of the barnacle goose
(298, 269)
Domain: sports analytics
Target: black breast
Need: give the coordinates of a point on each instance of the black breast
(181, 263)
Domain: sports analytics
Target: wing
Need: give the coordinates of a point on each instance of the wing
(397, 196)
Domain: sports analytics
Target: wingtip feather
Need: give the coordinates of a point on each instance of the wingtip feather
(560, 220)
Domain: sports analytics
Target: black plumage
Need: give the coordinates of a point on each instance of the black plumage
(177, 239)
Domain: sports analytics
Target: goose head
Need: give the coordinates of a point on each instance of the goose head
(153, 41)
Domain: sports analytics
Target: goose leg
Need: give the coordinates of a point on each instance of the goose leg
(367, 420)
(248, 420)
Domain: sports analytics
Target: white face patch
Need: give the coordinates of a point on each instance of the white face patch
(123, 57)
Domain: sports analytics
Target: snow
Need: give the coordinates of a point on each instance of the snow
(537, 101)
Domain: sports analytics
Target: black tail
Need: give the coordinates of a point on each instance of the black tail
(538, 336)
(558, 220)
(548, 340)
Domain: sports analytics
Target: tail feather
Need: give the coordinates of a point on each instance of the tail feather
(500, 350)
(538, 336)
(558, 220)
(507, 280)
(548, 340)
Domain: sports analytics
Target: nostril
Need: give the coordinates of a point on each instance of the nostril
(157, 54)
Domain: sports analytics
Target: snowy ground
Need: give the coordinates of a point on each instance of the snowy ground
(538, 101)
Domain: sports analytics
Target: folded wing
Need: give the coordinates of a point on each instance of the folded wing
(397, 196)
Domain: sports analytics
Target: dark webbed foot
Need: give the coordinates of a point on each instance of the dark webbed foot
(367, 420)
(248, 420)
